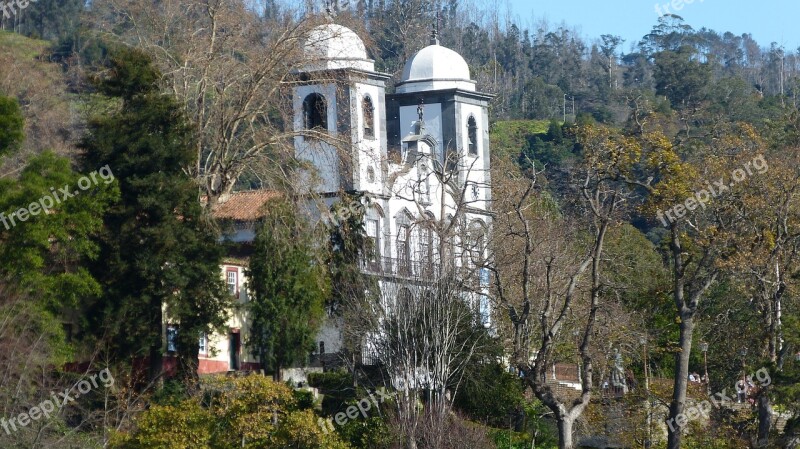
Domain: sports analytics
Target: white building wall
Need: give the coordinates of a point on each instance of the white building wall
(369, 151)
(321, 154)
(475, 166)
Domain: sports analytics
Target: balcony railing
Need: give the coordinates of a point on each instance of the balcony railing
(393, 267)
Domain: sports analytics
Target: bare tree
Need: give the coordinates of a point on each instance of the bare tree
(423, 330)
(540, 274)
(233, 72)
(424, 324)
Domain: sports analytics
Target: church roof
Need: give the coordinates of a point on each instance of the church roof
(435, 68)
(331, 46)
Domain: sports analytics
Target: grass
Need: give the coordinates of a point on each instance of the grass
(21, 47)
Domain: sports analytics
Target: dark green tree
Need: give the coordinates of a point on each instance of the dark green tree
(288, 285)
(349, 247)
(681, 77)
(46, 235)
(12, 125)
(158, 251)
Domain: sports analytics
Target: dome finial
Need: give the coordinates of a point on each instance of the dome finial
(435, 32)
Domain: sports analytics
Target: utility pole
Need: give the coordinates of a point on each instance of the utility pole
(783, 62)
(574, 117)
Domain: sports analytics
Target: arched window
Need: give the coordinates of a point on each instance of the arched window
(404, 249)
(368, 110)
(315, 112)
(373, 228)
(427, 244)
(403, 221)
(472, 134)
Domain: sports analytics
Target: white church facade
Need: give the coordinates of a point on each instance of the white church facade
(419, 156)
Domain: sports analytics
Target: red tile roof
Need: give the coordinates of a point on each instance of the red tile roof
(245, 206)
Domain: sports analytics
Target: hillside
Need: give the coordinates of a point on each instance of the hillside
(39, 85)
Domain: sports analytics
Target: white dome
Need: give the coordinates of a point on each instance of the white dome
(332, 46)
(435, 68)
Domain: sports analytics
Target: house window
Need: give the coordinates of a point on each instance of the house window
(232, 281)
(315, 112)
(472, 134)
(172, 338)
(322, 347)
(369, 118)
(203, 343)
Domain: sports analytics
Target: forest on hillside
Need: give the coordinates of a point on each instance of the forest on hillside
(646, 206)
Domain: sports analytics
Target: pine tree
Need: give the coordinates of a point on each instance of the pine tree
(288, 286)
(158, 249)
(349, 246)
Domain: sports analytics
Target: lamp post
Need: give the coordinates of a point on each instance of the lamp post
(648, 416)
(704, 350)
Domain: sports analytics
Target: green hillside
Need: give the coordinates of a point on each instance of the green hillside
(511, 136)
(21, 48)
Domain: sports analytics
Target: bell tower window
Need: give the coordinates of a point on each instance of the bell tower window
(472, 135)
(368, 112)
(315, 112)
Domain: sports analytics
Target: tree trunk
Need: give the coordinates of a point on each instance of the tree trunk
(676, 408)
(565, 432)
(188, 359)
(155, 362)
(276, 376)
(764, 418)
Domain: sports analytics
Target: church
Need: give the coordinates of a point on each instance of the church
(419, 156)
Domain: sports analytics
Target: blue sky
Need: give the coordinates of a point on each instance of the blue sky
(767, 20)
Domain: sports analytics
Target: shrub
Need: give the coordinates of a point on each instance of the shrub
(246, 412)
